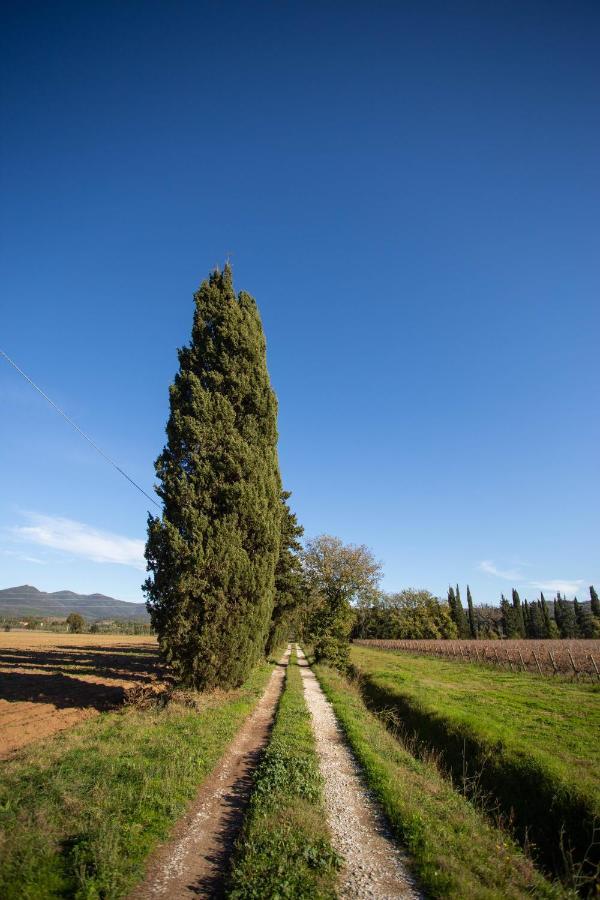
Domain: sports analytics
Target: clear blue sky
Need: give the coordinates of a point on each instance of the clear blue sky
(411, 192)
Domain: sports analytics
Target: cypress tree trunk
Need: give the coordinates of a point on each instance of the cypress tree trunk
(213, 552)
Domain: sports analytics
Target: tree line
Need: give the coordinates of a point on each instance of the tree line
(417, 614)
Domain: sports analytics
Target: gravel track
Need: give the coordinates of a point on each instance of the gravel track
(375, 866)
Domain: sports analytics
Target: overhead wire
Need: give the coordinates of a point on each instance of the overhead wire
(77, 428)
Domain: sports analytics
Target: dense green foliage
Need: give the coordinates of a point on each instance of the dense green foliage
(284, 849)
(417, 614)
(213, 552)
(454, 850)
(290, 586)
(80, 812)
(532, 744)
(337, 576)
(409, 615)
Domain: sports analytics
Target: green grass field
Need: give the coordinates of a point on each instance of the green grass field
(532, 744)
(454, 851)
(285, 849)
(80, 813)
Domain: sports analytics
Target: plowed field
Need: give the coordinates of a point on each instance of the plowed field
(52, 681)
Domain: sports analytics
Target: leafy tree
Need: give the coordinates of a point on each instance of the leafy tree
(75, 623)
(213, 552)
(338, 575)
(595, 602)
(372, 617)
(519, 618)
(290, 588)
(471, 614)
(418, 615)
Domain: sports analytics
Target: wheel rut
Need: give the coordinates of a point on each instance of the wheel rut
(375, 866)
(194, 861)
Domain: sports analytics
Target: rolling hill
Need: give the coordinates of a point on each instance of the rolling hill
(26, 600)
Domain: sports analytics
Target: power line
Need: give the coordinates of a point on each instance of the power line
(77, 428)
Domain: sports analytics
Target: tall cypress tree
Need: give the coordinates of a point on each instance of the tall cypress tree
(471, 614)
(595, 602)
(567, 621)
(519, 618)
(507, 618)
(459, 614)
(213, 552)
(527, 619)
(546, 617)
(586, 624)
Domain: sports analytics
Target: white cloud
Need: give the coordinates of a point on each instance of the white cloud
(565, 587)
(489, 568)
(22, 557)
(517, 578)
(81, 540)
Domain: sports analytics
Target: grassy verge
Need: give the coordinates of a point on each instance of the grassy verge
(455, 852)
(284, 850)
(80, 813)
(530, 744)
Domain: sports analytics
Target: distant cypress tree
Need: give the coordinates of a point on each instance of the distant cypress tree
(527, 619)
(290, 588)
(471, 614)
(586, 625)
(595, 602)
(213, 552)
(546, 617)
(536, 624)
(566, 621)
(461, 620)
(519, 619)
(508, 618)
(452, 604)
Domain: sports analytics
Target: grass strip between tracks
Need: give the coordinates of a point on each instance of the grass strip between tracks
(80, 813)
(284, 849)
(455, 852)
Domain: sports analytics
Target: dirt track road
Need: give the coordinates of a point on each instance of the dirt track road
(194, 862)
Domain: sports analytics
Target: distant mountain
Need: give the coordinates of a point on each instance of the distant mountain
(28, 601)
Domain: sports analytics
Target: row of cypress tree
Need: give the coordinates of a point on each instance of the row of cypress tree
(531, 620)
(222, 556)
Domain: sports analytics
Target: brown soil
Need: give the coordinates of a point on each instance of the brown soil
(49, 682)
(194, 862)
